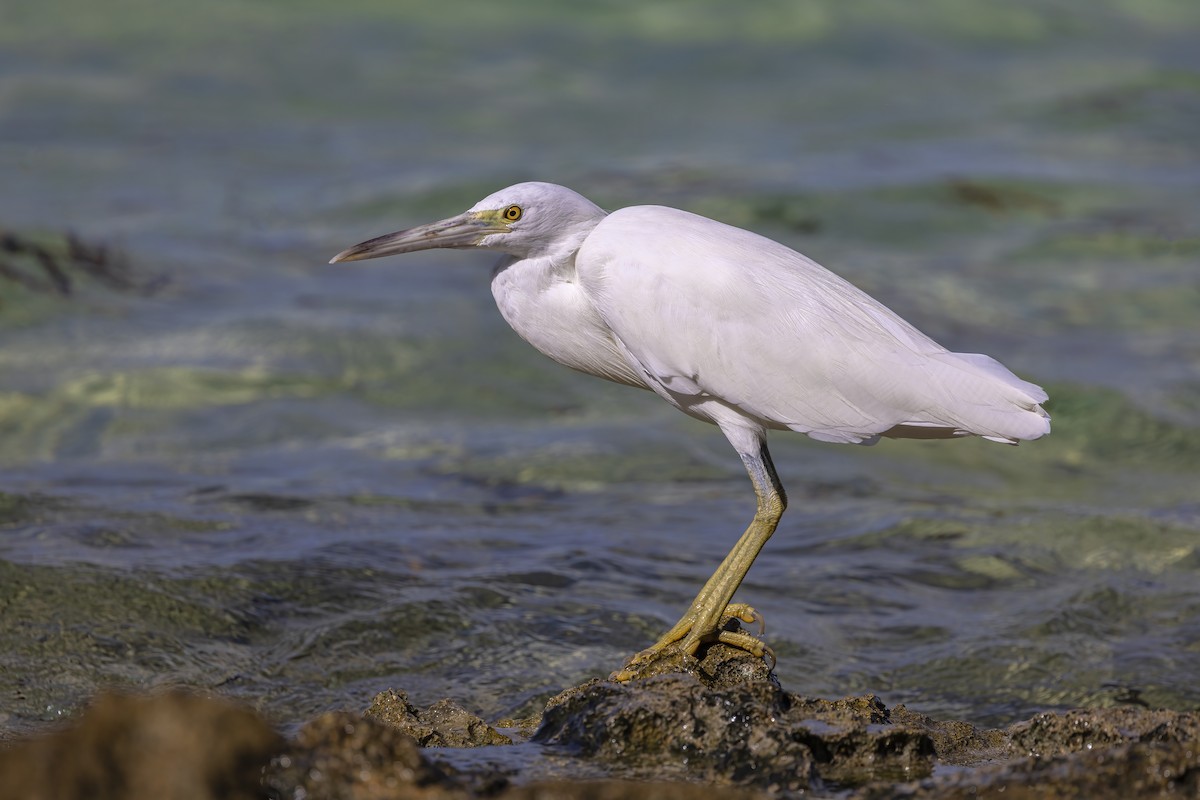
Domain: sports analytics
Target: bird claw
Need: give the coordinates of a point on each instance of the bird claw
(682, 642)
(744, 613)
(752, 645)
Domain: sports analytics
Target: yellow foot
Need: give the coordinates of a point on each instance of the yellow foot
(743, 613)
(678, 645)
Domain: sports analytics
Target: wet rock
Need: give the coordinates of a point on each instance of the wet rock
(342, 756)
(695, 734)
(750, 733)
(1095, 753)
(518, 730)
(629, 790)
(955, 742)
(1089, 729)
(1120, 772)
(851, 751)
(672, 726)
(443, 724)
(174, 746)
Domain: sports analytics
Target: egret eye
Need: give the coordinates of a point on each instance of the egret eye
(512, 213)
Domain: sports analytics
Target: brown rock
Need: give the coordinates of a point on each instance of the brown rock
(1114, 753)
(629, 790)
(172, 746)
(342, 756)
(1089, 729)
(749, 733)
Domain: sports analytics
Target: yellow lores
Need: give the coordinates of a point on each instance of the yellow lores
(728, 327)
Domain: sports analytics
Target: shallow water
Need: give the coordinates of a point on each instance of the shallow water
(299, 484)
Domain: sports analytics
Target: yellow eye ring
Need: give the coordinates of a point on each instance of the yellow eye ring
(512, 213)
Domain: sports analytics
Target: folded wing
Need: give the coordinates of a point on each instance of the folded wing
(713, 311)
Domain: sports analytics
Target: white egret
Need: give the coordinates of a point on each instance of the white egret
(728, 327)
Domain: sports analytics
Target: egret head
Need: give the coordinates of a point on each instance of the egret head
(524, 220)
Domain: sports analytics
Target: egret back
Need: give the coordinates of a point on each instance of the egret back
(706, 310)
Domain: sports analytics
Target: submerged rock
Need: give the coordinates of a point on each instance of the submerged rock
(53, 263)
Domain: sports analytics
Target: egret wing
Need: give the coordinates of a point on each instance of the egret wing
(707, 310)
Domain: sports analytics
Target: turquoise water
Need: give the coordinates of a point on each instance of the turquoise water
(299, 484)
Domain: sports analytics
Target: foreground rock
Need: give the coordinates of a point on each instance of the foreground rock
(721, 728)
(726, 722)
(176, 745)
(342, 756)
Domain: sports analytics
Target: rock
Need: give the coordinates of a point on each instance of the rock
(955, 742)
(342, 756)
(173, 746)
(1094, 753)
(714, 665)
(1133, 770)
(443, 724)
(672, 726)
(629, 790)
(704, 733)
(1089, 729)
(518, 730)
(749, 733)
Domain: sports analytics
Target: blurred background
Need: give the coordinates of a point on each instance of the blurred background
(227, 464)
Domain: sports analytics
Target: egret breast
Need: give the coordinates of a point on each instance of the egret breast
(547, 308)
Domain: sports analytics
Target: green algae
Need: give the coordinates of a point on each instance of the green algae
(90, 628)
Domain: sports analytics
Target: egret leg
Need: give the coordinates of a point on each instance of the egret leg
(703, 621)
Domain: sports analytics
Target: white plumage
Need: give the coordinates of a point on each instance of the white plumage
(731, 328)
(725, 314)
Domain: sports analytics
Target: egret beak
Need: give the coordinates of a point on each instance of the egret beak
(465, 230)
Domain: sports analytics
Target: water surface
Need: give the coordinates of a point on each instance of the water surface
(299, 484)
